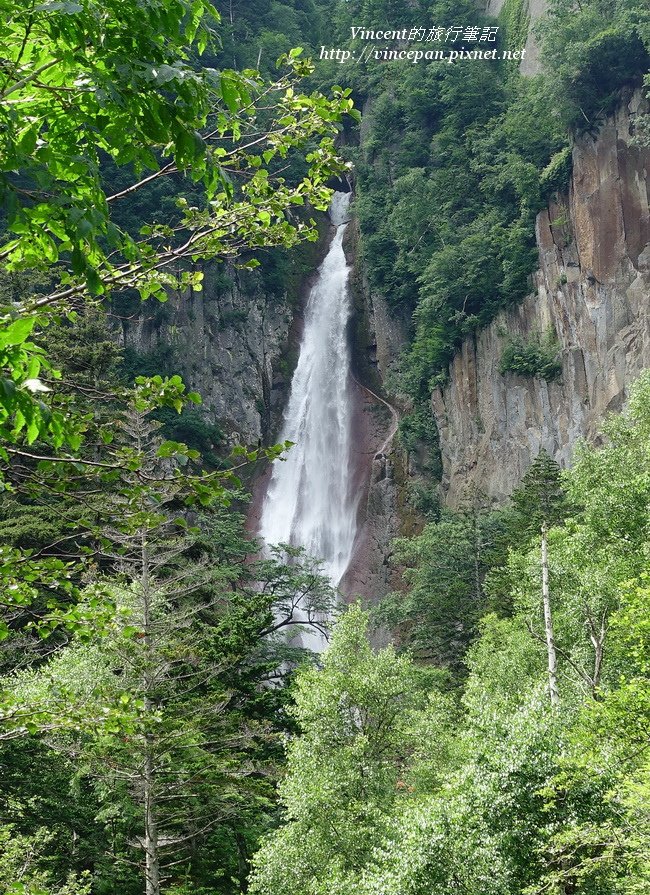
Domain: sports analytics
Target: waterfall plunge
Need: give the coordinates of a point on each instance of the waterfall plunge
(310, 500)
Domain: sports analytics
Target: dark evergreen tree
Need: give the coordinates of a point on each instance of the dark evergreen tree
(541, 495)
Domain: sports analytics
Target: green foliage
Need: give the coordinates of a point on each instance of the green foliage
(593, 50)
(492, 791)
(541, 496)
(161, 359)
(144, 648)
(143, 100)
(443, 571)
(85, 131)
(449, 182)
(537, 356)
(356, 722)
(138, 643)
(457, 160)
(169, 694)
(418, 434)
(604, 846)
(193, 428)
(85, 349)
(255, 34)
(556, 175)
(43, 566)
(516, 19)
(612, 485)
(19, 871)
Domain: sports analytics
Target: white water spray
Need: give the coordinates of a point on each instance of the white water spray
(310, 500)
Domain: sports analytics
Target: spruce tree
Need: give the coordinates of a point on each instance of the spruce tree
(541, 496)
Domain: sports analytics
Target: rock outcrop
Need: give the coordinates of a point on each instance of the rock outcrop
(593, 289)
(531, 64)
(229, 344)
(377, 338)
(533, 10)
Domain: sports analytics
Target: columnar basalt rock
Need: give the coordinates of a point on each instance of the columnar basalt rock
(593, 289)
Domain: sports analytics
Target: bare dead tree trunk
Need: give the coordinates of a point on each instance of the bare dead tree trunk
(554, 693)
(152, 858)
(232, 36)
(151, 851)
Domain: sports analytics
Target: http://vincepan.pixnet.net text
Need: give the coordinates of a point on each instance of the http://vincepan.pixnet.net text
(414, 45)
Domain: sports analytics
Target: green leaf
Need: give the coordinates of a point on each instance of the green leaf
(33, 430)
(17, 332)
(230, 93)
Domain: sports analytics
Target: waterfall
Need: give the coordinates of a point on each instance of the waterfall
(310, 500)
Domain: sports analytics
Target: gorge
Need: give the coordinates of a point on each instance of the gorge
(310, 501)
(325, 447)
(591, 290)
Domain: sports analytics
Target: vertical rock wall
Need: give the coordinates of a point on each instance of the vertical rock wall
(229, 342)
(593, 289)
(377, 338)
(534, 10)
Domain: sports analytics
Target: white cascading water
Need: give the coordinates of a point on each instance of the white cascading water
(310, 499)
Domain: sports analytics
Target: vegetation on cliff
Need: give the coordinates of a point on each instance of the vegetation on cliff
(150, 716)
(138, 728)
(458, 159)
(537, 356)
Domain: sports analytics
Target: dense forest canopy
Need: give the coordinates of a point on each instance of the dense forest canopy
(406, 780)
(158, 733)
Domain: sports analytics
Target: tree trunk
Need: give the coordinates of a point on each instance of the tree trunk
(548, 623)
(152, 859)
(151, 850)
(597, 638)
(242, 861)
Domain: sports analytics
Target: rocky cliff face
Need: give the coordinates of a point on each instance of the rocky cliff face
(533, 10)
(377, 338)
(593, 289)
(229, 342)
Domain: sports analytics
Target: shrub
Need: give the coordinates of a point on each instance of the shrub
(556, 175)
(537, 356)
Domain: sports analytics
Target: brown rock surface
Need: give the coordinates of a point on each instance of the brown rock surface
(594, 291)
